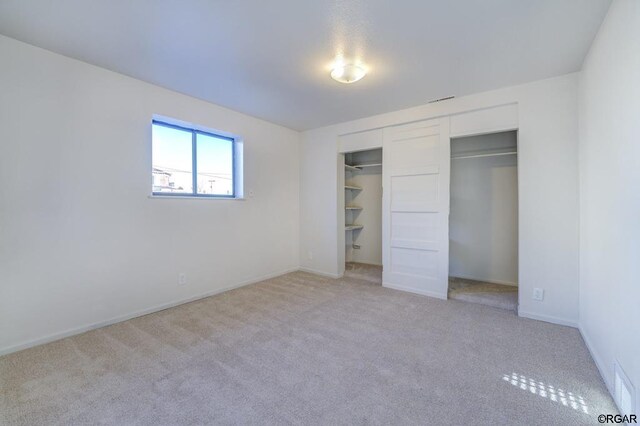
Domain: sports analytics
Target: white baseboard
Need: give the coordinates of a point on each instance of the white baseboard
(468, 277)
(83, 329)
(548, 318)
(416, 291)
(321, 273)
(600, 364)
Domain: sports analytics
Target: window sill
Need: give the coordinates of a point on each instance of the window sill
(188, 197)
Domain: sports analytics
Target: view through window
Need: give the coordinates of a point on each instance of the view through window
(191, 162)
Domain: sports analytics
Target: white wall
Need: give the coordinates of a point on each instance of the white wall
(321, 216)
(610, 194)
(80, 241)
(483, 217)
(548, 183)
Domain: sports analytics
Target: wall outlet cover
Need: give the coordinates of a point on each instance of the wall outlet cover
(182, 279)
(538, 294)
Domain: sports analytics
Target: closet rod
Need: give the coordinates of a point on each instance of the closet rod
(484, 155)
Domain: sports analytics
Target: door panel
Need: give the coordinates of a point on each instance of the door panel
(414, 227)
(419, 263)
(410, 153)
(415, 193)
(416, 207)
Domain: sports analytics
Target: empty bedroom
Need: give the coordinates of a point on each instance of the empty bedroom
(319, 212)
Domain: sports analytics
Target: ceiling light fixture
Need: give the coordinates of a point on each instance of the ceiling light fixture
(348, 73)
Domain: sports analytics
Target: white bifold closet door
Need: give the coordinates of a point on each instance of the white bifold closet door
(415, 207)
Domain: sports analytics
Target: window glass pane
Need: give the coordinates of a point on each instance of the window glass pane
(215, 165)
(172, 160)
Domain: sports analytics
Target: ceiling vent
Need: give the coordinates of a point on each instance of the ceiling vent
(440, 100)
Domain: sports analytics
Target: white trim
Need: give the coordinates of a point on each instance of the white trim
(466, 277)
(464, 105)
(115, 320)
(193, 197)
(415, 291)
(321, 273)
(608, 379)
(484, 131)
(600, 364)
(548, 318)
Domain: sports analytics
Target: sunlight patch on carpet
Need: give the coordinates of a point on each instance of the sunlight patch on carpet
(545, 390)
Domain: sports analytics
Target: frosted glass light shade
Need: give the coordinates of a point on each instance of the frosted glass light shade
(348, 73)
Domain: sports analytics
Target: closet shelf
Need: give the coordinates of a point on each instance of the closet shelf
(351, 168)
(353, 227)
(353, 188)
(497, 154)
(353, 208)
(360, 166)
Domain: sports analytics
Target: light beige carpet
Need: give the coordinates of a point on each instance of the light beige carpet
(301, 349)
(496, 295)
(363, 271)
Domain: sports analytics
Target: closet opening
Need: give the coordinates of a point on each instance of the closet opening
(363, 215)
(483, 220)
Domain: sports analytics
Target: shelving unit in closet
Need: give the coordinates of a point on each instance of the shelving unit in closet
(351, 191)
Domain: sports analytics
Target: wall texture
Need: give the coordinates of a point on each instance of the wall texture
(80, 241)
(548, 189)
(610, 194)
(483, 220)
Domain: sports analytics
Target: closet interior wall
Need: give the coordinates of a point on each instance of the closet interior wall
(483, 221)
(363, 207)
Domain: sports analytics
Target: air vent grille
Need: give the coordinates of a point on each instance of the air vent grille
(441, 99)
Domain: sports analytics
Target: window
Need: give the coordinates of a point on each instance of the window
(192, 162)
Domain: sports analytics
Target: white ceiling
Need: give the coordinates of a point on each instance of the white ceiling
(270, 59)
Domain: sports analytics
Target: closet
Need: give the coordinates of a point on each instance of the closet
(483, 219)
(449, 211)
(363, 212)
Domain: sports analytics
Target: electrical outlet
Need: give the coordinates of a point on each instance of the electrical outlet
(310, 255)
(182, 279)
(538, 294)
